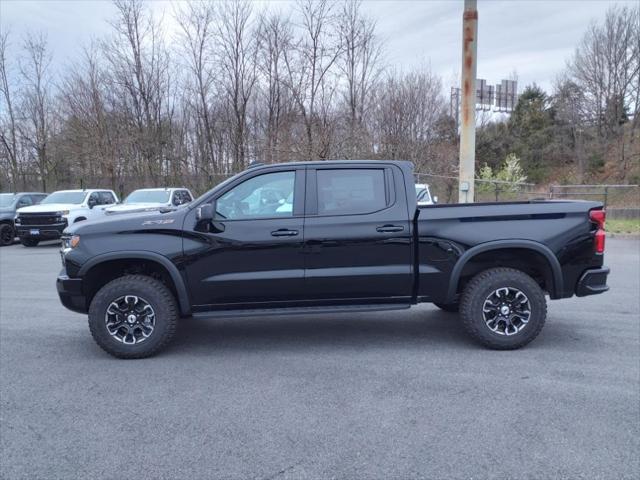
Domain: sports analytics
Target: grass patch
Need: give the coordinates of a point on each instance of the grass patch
(623, 226)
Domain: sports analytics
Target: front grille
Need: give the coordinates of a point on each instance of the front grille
(27, 219)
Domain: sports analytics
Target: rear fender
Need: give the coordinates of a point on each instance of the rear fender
(554, 264)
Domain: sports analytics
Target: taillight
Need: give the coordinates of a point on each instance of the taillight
(598, 217)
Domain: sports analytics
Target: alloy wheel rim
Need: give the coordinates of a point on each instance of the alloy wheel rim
(130, 319)
(506, 311)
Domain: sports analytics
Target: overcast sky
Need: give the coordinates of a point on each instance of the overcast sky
(533, 38)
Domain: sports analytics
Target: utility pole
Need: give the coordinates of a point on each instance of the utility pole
(468, 103)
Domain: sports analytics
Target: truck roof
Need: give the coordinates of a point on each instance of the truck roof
(23, 193)
(401, 163)
(159, 189)
(84, 190)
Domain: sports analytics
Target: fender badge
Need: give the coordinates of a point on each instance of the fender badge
(158, 222)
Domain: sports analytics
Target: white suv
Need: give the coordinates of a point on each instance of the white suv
(49, 218)
(151, 199)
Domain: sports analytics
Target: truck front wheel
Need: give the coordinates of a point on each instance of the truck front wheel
(7, 234)
(503, 308)
(29, 242)
(133, 316)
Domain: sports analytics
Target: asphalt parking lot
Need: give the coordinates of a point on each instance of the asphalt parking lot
(389, 395)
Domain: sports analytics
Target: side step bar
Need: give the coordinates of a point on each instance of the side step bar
(259, 312)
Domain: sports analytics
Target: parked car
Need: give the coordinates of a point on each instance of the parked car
(47, 220)
(152, 199)
(354, 240)
(423, 195)
(9, 203)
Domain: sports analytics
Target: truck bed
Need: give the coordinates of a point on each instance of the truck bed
(558, 230)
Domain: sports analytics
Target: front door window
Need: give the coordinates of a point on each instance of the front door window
(266, 196)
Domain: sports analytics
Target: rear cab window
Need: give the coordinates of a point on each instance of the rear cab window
(107, 198)
(355, 191)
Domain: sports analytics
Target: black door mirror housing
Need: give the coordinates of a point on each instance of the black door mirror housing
(205, 212)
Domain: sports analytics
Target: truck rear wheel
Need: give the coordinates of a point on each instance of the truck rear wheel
(7, 234)
(134, 316)
(503, 308)
(29, 242)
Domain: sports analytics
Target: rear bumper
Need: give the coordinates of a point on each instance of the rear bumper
(592, 282)
(71, 293)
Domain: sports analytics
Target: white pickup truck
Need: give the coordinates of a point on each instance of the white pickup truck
(47, 220)
(423, 195)
(152, 199)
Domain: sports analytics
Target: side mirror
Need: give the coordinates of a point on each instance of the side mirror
(92, 203)
(205, 212)
(435, 199)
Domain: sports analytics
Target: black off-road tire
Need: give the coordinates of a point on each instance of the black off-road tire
(7, 234)
(29, 242)
(448, 307)
(158, 296)
(478, 290)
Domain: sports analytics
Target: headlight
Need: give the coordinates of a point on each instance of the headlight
(69, 243)
(62, 212)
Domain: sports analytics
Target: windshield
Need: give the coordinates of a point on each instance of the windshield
(65, 197)
(147, 196)
(6, 199)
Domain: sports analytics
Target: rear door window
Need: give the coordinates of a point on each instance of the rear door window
(351, 191)
(107, 198)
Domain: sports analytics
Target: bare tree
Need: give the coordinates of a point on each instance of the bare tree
(570, 106)
(360, 68)
(196, 21)
(8, 123)
(92, 136)
(309, 72)
(37, 104)
(237, 59)
(409, 107)
(606, 66)
(275, 38)
(140, 75)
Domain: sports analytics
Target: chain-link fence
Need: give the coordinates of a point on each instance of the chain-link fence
(616, 196)
(445, 187)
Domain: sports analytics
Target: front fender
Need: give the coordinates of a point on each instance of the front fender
(176, 277)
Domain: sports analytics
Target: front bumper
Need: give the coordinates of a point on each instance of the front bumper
(592, 282)
(45, 232)
(71, 293)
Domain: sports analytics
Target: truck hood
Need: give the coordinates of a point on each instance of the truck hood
(131, 222)
(49, 207)
(135, 207)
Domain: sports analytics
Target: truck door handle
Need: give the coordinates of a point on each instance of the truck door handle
(390, 228)
(284, 232)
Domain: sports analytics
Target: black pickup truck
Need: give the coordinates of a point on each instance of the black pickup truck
(326, 237)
